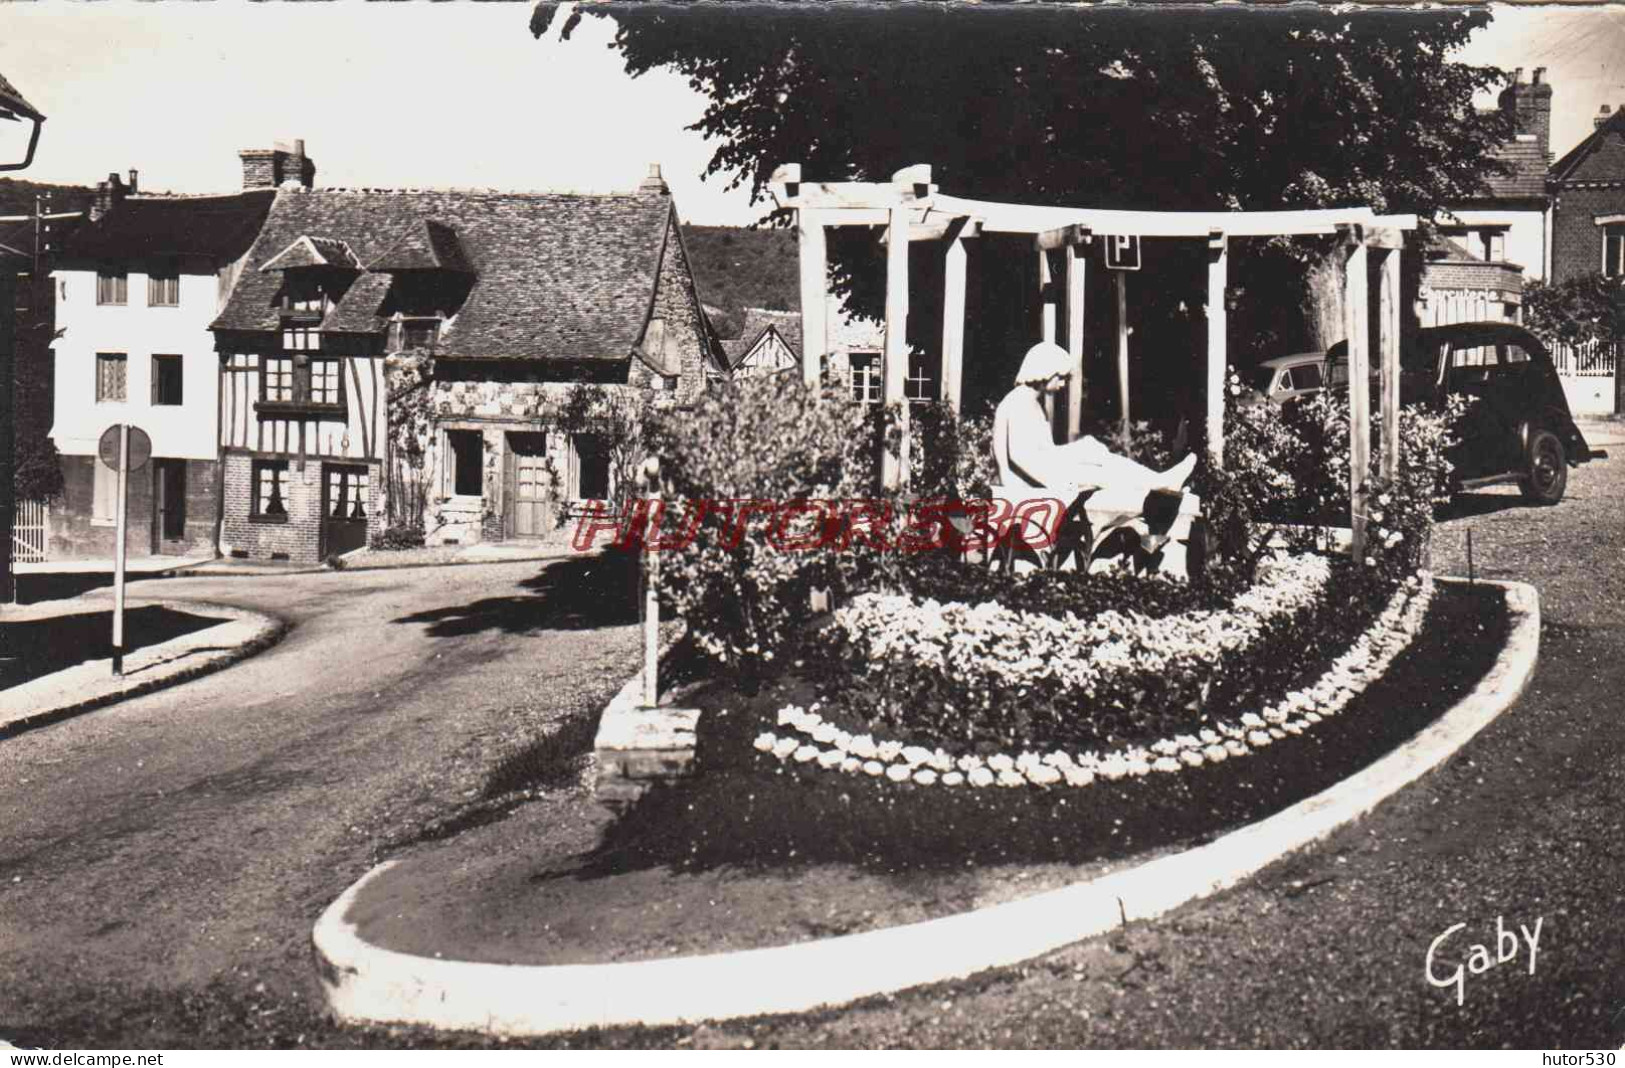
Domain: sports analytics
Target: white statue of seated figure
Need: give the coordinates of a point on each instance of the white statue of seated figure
(1031, 466)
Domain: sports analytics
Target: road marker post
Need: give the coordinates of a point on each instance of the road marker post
(115, 448)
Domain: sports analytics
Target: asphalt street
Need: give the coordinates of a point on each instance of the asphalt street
(199, 831)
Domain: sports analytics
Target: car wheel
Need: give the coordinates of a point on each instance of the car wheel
(1547, 472)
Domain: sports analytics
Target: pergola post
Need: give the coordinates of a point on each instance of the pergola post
(814, 294)
(1046, 297)
(1120, 283)
(1388, 330)
(895, 361)
(1357, 326)
(953, 322)
(1076, 278)
(1217, 328)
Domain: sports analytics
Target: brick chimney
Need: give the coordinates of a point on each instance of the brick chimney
(654, 183)
(273, 168)
(1601, 117)
(1531, 106)
(109, 193)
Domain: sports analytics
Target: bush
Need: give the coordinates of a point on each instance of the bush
(398, 536)
(771, 439)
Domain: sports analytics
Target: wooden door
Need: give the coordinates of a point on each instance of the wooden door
(529, 485)
(346, 504)
(169, 506)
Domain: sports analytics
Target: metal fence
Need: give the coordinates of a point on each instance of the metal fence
(31, 532)
(1587, 358)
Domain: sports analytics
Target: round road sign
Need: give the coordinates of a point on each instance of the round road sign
(140, 447)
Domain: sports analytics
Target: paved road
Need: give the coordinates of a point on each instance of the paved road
(199, 831)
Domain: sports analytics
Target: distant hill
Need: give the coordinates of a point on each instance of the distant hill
(737, 268)
(17, 196)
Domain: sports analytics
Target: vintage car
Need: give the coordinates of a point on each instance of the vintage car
(1518, 430)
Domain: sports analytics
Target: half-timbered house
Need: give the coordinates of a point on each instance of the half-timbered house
(503, 300)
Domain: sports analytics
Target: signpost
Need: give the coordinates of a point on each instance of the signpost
(124, 448)
(1122, 254)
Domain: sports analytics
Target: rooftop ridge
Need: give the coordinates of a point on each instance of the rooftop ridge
(482, 191)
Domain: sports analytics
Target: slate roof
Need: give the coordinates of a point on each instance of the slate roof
(307, 251)
(759, 321)
(558, 276)
(1528, 177)
(426, 245)
(12, 100)
(219, 228)
(1599, 158)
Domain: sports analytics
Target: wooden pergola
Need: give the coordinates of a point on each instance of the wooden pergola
(911, 209)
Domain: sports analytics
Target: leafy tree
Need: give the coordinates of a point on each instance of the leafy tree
(1108, 107)
(1587, 307)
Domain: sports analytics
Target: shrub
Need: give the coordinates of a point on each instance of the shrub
(398, 536)
(768, 438)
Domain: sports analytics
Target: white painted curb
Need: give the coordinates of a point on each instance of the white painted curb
(366, 984)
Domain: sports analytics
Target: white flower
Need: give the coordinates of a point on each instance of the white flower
(1076, 776)
(831, 758)
(873, 768)
(897, 773)
(862, 746)
(1191, 757)
(1165, 763)
(888, 751)
(1043, 775)
(1258, 739)
(1234, 747)
(1058, 759)
(1251, 719)
(941, 762)
(915, 755)
(1011, 778)
(981, 777)
(766, 741)
(1216, 754)
(925, 776)
(953, 778)
(968, 762)
(824, 734)
(851, 765)
(788, 715)
(785, 747)
(1000, 762)
(806, 753)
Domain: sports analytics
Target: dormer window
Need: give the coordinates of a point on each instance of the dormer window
(304, 294)
(407, 332)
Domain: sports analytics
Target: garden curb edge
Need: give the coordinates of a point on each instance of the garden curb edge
(368, 984)
(269, 630)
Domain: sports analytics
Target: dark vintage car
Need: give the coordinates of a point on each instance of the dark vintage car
(1520, 430)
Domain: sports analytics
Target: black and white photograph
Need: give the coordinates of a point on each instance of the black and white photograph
(799, 525)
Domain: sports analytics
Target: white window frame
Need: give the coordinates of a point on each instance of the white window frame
(1611, 225)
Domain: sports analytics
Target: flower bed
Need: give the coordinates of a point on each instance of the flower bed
(993, 677)
(812, 741)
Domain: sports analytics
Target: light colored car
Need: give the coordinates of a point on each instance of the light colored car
(1285, 378)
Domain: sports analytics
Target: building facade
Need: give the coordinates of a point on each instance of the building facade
(135, 291)
(1588, 195)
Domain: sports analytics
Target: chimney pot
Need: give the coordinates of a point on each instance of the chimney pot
(1540, 72)
(1517, 76)
(299, 147)
(134, 176)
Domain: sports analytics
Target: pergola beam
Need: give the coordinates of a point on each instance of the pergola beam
(813, 260)
(894, 362)
(1357, 326)
(1077, 277)
(1388, 335)
(1217, 327)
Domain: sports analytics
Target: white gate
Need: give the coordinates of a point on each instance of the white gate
(1588, 372)
(31, 532)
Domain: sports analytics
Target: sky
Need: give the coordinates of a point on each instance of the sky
(418, 95)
